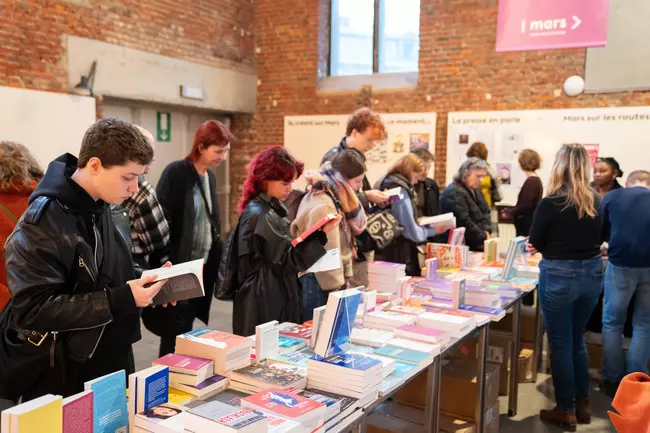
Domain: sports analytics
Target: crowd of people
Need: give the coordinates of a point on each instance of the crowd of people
(72, 295)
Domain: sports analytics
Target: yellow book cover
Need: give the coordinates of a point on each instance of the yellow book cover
(43, 415)
(179, 397)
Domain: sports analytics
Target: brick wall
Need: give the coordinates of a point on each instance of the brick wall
(458, 66)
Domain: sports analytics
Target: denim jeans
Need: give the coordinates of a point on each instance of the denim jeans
(312, 296)
(621, 284)
(568, 291)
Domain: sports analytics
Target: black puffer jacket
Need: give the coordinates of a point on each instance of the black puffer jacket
(268, 266)
(68, 268)
(471, 211)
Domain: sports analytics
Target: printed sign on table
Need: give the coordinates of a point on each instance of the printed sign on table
(527, 25)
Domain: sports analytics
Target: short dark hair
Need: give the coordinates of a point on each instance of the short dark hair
(349, 164)
(529, 160)
(423, 154)
(114, 142)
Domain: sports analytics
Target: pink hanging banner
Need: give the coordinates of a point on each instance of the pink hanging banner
(527, 25)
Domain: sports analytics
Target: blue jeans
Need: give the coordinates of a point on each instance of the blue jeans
(621, 284)
(568, 292)
(312, 296)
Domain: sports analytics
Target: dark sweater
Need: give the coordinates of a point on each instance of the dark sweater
(527, 201)
(626, 223)
(559, 234)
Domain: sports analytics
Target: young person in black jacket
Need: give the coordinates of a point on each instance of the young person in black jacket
(187, 191)
(427, 189)
(75, 310)
(268, 265)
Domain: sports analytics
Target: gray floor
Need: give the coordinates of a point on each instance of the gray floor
(532, 397)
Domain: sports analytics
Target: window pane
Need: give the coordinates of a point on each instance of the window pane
(352, 34)
(399, 35)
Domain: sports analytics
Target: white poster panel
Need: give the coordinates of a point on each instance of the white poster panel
(621, 133)
(310, 137)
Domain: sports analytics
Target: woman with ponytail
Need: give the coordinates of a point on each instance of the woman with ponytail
(268, 265)
(566, 229)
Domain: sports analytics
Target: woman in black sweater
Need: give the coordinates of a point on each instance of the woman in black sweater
(566, 229)
(529, 195)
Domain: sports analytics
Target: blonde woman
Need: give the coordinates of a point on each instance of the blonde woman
(404, 174)
(19, 174)
(566, 229)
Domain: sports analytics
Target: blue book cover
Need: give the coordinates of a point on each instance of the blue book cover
(196, 333)
(155, 388)
(353, 361)
(289, 343)
(403, 369)
(109, 399)
(346, 314)
(403, 354)
(482, 310)
(295, 358)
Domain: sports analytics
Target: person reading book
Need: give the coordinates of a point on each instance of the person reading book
(76, 306)
(268, 265)
(405, 173)
(332, 191)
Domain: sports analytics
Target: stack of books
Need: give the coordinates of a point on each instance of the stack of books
(299, 358)
(455, 326)
(165, 418)
(449, 256)
(404, 343)
(441, 291)
(259, 377)
(384, 276)
(186, 370)
(300, 332)
(289, 344)
(387, 320)
(420, 333)
(422, 359)
(370, 337)
(346, 405)
(348, 374)
(217, 417)
(311, 414)
(481, 315)
(227, 351)
(404, 309)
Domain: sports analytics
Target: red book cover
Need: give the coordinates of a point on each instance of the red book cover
(304, 235)
(282, 403)
(78, 412)
(300, 332)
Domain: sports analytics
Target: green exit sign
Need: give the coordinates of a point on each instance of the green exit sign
(164, 127)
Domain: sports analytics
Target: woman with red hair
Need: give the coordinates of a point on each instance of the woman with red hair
(268, 265)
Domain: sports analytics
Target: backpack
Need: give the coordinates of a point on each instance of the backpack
(226, 285)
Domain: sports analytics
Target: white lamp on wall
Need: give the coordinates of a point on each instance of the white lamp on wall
(574, 85)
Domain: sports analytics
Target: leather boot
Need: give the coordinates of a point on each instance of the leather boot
(560, 418)
(583, 410)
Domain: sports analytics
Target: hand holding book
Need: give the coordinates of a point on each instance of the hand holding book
(144, 291)
(327, 223)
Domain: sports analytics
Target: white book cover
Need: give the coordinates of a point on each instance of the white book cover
(317, 321)
(419, 346)
(266, 340)
(444, 220)
(330, 261)
(371, 337)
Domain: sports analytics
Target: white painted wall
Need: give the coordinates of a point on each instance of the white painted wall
(48, 123)
(138, 75)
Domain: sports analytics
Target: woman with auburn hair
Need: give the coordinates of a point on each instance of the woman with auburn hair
(566, 229)
(404, 174)
(19, 174)
(268, 265)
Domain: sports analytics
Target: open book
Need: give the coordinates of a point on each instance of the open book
(445, 221)
(184, 281)
(304, 235)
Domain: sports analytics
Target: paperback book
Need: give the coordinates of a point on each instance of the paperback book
(184, 281)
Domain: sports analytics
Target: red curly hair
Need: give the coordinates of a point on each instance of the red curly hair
(274, 163)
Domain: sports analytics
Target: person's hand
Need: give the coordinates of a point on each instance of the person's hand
(530, 248)
(332, 224)
(488, 235)
(376, 196)
(142, 294)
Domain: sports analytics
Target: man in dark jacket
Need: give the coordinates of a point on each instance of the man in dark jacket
(75, 310)
(187, 191)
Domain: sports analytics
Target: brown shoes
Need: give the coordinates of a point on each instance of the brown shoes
(583, 411)
(560, 418)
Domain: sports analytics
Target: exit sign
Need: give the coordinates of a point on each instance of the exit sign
(164, 127)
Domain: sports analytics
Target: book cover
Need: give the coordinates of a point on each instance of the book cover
(288, 344)
(78, 413)
(165, 417)
(299, 332)
(317, 321)
(272, 375)
(109, 402)
(176, 396)
(416, 330)
(266, 340)
(184, 363)
(449, 256)
(516, 250)
(223, 414)
(278, 424)
(184, 281)
(299, 358)
(29, 417)
(280, 402)
(456, 236)
(222, 340)
(431, 269)
(211, 381)
(154, 389)
(444, 221)
(458, 293)
(403, 354)
(304, 235)
(346, 402)
(230, 397)
(337, 325)
(352, 361)
(404, 369)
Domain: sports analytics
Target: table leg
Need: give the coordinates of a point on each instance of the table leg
(513, 388)
(539, 331)
(480, 378)
(432, 408)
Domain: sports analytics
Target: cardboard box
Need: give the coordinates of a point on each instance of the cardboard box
(491, 420)
(526, 362)
(382, 423)
(499, 348)
(527, 324)
(414, 393)
(459, 391)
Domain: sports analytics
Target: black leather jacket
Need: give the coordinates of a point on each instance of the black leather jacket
(268, 266)
(67, 267)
